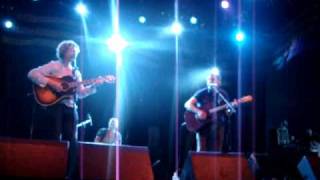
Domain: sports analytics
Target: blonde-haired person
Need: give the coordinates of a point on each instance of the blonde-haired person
(110, 135)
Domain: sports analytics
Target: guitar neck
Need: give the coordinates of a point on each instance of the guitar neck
(87, 82)
(225, 106)
(219, 108)
(84, 82)
(105, 79)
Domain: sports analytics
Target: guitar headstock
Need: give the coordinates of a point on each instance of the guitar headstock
(104, 79)
(109, 78)
(245, 99)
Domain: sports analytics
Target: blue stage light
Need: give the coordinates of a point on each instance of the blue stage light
(142, 19)
(225, 4)
(176, 28)
(240, 36)
(193, 20)
(8, 24)
(81, 9)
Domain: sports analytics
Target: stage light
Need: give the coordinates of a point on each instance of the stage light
(176, 28)
(240, 36)
(193, 20)
(215, 71)
(81, 9)
(142, 19)
(116, 43)
(225, 4)
(8, 24)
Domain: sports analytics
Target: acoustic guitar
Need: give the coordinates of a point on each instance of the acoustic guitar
(47, 96)
(193, 122)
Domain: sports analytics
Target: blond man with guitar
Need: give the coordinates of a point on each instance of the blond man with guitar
(57, 85)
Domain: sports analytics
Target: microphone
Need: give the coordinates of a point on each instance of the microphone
(213, 85)
(216, 89)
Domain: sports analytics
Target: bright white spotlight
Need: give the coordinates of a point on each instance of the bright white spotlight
(193, 20)
(142, 19)
(225, 4)
(215, 71)
(176, 28)
(240, 36)
(116, 43)
(81, 9)
(8, 24)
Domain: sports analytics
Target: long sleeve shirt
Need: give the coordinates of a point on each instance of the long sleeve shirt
(56, 68)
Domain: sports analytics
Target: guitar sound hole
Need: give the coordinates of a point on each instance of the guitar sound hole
(65, 86)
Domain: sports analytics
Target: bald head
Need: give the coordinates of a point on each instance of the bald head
(213, 80)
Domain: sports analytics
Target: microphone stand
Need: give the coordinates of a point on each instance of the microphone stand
(84, 123)
(227, 141)
(229, 105)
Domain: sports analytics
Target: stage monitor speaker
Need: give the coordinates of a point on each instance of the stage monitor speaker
(100, 161)
(309, 167)
(33, 158)
(216, 166)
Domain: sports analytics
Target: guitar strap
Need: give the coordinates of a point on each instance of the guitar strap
(74, 72)
(75, 68)
(214, 104)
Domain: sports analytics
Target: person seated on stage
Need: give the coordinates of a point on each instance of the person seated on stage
(110, 135)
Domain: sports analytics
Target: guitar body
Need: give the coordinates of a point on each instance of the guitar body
(46, 96)
(193, 124)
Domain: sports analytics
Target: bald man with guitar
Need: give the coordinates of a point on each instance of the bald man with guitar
(207, 112)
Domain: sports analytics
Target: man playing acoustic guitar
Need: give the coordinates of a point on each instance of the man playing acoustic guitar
(210, 136)
(58, 121)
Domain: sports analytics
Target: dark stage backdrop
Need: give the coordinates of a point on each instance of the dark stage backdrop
(290, 92)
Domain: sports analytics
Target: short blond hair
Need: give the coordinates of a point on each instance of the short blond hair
(113, 120)
(63, 46)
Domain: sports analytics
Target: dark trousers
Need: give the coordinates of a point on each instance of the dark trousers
(58, 122)
(210, 138)
(187, 143)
